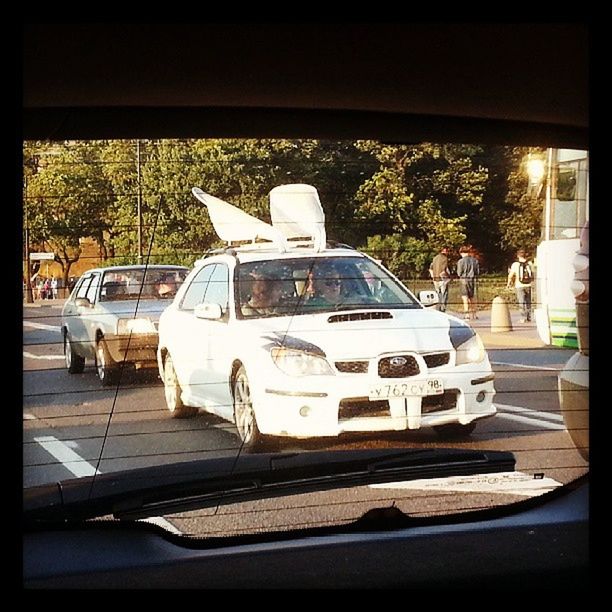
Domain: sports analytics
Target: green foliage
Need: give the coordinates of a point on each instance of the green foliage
(402, 202)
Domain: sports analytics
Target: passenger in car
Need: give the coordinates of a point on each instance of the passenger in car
(327, 287)
(265, 295)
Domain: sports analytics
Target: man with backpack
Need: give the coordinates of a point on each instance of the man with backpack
(520, 277)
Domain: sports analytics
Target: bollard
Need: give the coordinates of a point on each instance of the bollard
(500, 315)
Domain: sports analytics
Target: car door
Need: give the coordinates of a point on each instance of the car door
(79, 318)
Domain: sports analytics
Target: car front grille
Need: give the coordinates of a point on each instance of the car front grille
(388, 369)
(354, 407)
(435, 360)
(352, 367)
(437, 403)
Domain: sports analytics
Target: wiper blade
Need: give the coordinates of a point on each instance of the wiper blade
(182, 487)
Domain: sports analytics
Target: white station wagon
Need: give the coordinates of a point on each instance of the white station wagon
(289, 336)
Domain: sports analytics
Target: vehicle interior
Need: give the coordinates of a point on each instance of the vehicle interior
(519, 84)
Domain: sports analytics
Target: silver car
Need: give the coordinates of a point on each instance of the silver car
(112, 314)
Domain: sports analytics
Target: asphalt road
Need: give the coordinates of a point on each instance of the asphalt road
(69, 422)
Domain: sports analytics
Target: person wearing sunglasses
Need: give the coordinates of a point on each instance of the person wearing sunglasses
(327, 287)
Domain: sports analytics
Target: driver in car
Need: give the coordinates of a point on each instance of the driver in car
(265, 295)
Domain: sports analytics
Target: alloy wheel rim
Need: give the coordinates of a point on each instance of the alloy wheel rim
(170, 387)
(244, 409)
(68, 353)
(100, 365)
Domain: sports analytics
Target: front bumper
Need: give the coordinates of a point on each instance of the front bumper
(329, 405)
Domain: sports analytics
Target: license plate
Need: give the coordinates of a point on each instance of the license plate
(406, 388)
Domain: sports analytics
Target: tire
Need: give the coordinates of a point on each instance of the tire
(75, 364)
(244, 413)
(106, 368)
(172, 393)
(453, 431)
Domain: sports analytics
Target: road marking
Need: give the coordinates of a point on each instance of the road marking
(529, 367)
(545, 420)
(507, 483)
(29, 355)
(547, 416)
(66, 456)
(28, 417)
(53, 328)
(78, 466)
(160, 521)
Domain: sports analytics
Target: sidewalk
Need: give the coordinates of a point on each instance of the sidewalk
(58, 303)
(522, 335)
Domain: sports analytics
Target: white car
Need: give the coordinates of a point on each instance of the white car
(340, 344)
(111, 316)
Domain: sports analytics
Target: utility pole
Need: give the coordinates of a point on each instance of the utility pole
(28, 270)
(139, 202)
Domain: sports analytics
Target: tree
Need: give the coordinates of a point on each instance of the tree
(65, 195)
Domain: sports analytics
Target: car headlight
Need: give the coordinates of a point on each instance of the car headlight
(467, 343)
(471, 351)
(300, 363)
(135, 326)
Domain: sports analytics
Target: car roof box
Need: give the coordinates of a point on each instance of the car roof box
(296, 211)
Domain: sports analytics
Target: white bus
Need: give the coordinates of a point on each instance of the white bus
(566, 210)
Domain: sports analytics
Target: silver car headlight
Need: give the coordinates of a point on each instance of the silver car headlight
(471, 351)
(135, 326)
(300, 363)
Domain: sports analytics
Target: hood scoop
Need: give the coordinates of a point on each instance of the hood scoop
(359, 316)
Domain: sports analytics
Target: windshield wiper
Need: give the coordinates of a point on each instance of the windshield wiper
(182, 487)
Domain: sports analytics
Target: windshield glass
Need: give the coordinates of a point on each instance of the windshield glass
(306, 286)
(326, 296)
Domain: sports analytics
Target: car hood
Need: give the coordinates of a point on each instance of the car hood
(128, 309)
(361, 334)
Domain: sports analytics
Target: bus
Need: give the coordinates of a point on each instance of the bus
(566, 211)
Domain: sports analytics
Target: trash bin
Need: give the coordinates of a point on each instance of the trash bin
(500, 315)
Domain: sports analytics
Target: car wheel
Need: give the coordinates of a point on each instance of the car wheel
(172, 392)
(244, 413)
(75, 364)
(105, 366)
(455, 430)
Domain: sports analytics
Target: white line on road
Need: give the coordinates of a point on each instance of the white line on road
(522, 419)
(529, 367)
(80, 467)
(29, 355)
(508, 483)
(28, 417)
(66, 456)
(53, 328)
(547, 416)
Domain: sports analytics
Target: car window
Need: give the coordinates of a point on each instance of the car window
(197, 289)
(217, 290)
(83, 288)
(92, 290)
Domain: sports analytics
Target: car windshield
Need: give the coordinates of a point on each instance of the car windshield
(326, 296)
(306, 286)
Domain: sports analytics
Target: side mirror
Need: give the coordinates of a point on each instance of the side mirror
(429, 298)
(208, 310)
(82, 302)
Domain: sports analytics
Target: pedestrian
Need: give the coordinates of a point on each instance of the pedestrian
(520, 277)
(54, 287)
(468, 271)
(441, 277)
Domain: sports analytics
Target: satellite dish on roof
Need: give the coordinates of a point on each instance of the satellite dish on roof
(297, 212)
(233, 224)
